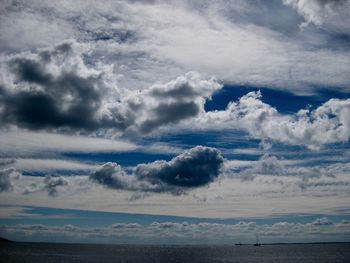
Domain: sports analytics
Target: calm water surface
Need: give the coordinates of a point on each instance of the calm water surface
(43, 252)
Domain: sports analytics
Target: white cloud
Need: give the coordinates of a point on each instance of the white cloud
(150, 42)
(324, 221)
(52, 182)
(7, 178)
(21, 143)
(173, 232)
(163, 104)
(21, 27)
(299, 190)
(329, 123)
(47, 165)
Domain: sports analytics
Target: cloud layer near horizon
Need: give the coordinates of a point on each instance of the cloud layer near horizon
(173, 232)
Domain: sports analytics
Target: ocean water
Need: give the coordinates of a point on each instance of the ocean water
(43, 252)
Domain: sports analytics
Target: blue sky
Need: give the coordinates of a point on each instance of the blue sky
(175, 122)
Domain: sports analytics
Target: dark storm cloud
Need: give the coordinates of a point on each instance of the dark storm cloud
(111, 175)
(172, 102)
(48, 101)
(166, 113)
(55, 89)
(180, 105)
(196, 167)
(66, 100)
(183, 90)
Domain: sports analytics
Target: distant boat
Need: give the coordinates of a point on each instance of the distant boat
(257, 243)
(239, 244)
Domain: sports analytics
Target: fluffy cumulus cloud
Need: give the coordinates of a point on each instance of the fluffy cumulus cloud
(98, 74)
(51, 89)
(113, 176)
(329, 123)
(196, 167)
(7, 178)
(56, 89)
(52, 182)
(163, 104)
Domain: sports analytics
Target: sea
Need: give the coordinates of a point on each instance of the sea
(49, 252)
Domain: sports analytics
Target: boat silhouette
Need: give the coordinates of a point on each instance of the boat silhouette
(257, 242)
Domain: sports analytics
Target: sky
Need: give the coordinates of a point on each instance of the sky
(175, 122)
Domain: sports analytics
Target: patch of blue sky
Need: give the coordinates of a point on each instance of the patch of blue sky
(233, 145)
(224, 141)
(56, 172)
(334, 40)
(331, 153)
(284, 101)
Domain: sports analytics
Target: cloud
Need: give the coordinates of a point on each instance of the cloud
(164, 104)
(126, 225)
(22, 22)
(52, 89)
(266, 195)
(45, 165)
(52, 182)
(87, 76)
(55, 89)
(7, 178)
(324, 221)
(24, 143)
(112, 175)
(333, 13)
(150, 41)
(311, 128)
(196, 167)
(184, 232)
(266, 165)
